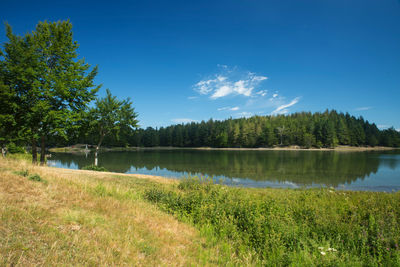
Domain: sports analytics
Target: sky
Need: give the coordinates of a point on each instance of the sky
(183, 61)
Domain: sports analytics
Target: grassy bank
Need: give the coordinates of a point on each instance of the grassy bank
(54, 216)
(57, 217)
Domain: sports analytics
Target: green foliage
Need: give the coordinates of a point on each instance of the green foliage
(23, 173)
(291, 227)
(8, 108)
(35, 177)
(327, 129)
(13, 148)
(51, 88)
(21, 156)
(94, 168)
(111, 116)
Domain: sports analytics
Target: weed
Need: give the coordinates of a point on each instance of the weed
(23, 173)
(37, 178)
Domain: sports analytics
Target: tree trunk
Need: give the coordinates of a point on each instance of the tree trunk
(97, 150)
(34, 151)
(42, 150)
(95, 159)
(4, 151)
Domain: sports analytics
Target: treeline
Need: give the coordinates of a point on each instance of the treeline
(305, 129)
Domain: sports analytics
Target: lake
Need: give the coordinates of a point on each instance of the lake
(372, 171)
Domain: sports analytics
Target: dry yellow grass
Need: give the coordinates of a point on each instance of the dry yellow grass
(88, 218)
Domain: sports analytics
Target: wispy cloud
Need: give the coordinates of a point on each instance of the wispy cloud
(183, 120)
(229, 82)
(262, 93)
(363, 108)
(283, 109)
(228, 108)
(192, 97)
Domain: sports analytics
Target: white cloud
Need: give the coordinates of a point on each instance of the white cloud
(274, 95)
(262, 93)
(229, 82)
(183, 120)
(222, 91)
(228, 108)
(282, 109)
(192, 97)
(363, 108)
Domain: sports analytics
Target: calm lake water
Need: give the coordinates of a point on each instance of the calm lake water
(374, 171)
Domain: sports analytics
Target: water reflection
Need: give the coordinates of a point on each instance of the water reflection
(297, 167)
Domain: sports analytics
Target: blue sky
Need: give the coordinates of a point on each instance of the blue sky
(194, 60)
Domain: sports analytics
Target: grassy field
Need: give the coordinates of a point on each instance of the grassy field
(55, 216)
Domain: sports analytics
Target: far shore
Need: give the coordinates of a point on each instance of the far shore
(82, 149)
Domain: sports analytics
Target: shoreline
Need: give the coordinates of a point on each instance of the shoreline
(73, 149)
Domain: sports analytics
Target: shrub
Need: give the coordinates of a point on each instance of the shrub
(37, 178)
(13, 148)
(23, 173)
(94, 168)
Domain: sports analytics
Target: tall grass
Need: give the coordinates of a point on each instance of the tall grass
(79, 218)
(286, 226)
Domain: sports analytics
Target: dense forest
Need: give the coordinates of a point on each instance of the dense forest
(305, 129)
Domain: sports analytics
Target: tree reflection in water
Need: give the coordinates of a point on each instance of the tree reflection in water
(299, 167)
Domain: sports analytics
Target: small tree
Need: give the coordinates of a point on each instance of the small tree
(110, 116)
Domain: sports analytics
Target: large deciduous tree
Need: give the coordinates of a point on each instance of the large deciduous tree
(52, 86)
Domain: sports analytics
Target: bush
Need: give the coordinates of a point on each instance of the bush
(94, 168)
(13, 148)
(37, 178)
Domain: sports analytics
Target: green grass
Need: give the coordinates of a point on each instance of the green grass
(319, 227)
(20, 156)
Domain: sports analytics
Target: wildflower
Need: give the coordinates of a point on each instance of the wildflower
(323, 253)
(332, 249)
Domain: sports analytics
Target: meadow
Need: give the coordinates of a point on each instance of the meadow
(52, 216)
